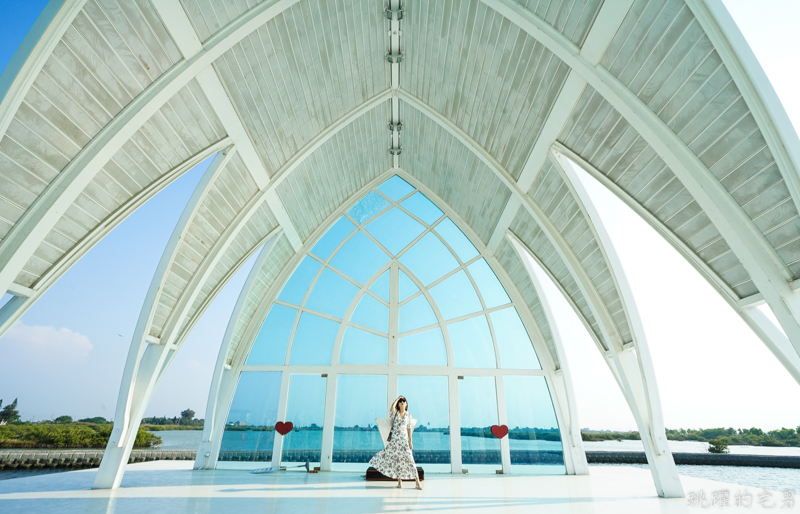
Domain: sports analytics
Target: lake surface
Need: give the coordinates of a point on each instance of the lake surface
(190, 439)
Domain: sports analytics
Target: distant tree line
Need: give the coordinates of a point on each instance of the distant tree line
(185, 421)
(729, 436)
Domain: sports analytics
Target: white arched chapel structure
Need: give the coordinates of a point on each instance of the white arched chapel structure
(454, 124)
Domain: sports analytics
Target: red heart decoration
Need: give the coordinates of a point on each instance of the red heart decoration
(284, 428)
(499, 431)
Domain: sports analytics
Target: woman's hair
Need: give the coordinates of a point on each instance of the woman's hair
(395, 405)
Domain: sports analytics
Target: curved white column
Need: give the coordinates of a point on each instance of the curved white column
(634, 364)
(143, 369)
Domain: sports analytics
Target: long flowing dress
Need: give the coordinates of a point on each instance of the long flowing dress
(396, 460)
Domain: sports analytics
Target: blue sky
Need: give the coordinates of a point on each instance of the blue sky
(67, 355)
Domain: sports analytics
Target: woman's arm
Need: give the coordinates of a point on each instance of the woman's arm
(410, 442)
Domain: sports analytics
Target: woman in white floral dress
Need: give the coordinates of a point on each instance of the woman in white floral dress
(396, 460)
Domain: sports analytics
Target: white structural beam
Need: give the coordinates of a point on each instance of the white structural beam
(27, 297)
(180, 28)
(763, 264)
(771, 336)
(142, 370)
(221, 380)
(636, 369)
(630, 378)
(38, 220)
(605, 26)
(33, 52)
(575, 455)
(112, 472)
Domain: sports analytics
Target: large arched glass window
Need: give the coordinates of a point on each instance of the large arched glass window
(394, 298)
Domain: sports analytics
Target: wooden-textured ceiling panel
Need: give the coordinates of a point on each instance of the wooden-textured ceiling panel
(597, 133)
(573, 18)
(181, 129)
(340, 167)
(107, 56)
(225, 197)
(252, 234)
(559, 204)
(452, 171)
(532, 235)
(662, 54)
(303, 70)
(483, 73)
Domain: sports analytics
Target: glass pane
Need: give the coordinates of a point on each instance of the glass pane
(407, 286)
(492, 291)
(381, 286)
(360, 258)
(533, 438)
(480, 450)
(472, 343)
(416, 314)
(423, 349)
(456, 297)
(457, 240)
(313, 341)
(395, 230)
(332, 294)
(422, 208)
(428, 403)
(359, 400)
(332, 238)
(270, 345)
(429, 259)
(372, 314)
(516, 349)
(249, 429)
(306, 410)
(359, 347)
(395, 188)
(295, 289)
(368, 207)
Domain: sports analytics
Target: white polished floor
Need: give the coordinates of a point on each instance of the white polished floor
(173, 487)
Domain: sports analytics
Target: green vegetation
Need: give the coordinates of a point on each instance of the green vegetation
(97, 420)
(729, 436)
(186, 421)
(75, 435)
(610, 436)
(718, 446)
(63, 420)
(9, 413)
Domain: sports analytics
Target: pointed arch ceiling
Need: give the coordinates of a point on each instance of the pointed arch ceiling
(108, 101)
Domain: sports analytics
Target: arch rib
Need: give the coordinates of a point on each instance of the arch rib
(142, 370)
(637, 370)
(11, 312)
(608, 20)
(156, 363)
(562, 378)
(765, 267)
(640, 395)
(777, 343)
(33, 52)
(37, 221)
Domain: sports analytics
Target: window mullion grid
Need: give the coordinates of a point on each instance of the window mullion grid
(345, 322)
